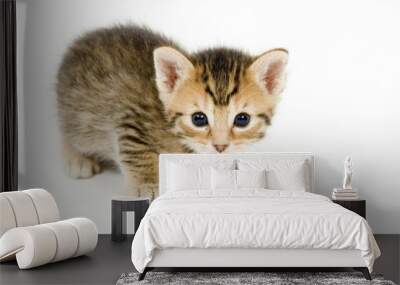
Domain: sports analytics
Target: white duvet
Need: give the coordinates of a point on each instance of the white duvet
(252, 218)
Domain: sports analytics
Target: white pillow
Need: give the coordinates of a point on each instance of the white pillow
(282, 174)
(226, 179)
(251, 178)
(223, 179)
(221, 163)
(181, 178)
(289, 179)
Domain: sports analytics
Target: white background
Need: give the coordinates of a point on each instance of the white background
(342, 95)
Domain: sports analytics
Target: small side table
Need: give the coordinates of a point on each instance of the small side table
(357, 206)
(119, 206)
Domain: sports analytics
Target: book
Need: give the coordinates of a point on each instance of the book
(346, 198)
(345, 194)
(341, 190)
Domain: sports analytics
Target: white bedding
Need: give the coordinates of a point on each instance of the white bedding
(252, 218)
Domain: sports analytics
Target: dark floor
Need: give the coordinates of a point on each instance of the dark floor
(103, 266)
(110, 260)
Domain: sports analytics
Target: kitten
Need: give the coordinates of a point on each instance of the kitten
(127, 94)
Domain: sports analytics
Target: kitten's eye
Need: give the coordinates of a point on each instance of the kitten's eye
(241, 120)
(199, 119)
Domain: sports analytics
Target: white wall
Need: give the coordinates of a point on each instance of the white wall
(342, 95)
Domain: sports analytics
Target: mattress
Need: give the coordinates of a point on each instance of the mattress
(250, 219)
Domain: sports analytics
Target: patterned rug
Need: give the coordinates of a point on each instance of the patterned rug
(244, 278)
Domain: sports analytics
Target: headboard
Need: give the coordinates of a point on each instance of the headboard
(165, 158)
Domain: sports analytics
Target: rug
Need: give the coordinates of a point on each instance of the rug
(244, 278)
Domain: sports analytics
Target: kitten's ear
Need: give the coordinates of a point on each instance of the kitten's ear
(269, 70)
(172, 68)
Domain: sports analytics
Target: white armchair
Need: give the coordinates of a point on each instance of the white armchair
(31, 230)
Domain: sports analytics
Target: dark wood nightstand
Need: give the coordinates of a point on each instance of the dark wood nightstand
(357, 206)
(119, 206)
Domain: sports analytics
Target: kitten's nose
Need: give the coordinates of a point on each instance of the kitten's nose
(220, 147)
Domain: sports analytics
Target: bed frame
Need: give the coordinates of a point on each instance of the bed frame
(236, 259)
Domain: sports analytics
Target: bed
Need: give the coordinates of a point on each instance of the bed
(244, 211)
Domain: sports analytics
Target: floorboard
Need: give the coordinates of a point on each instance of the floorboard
(111, 259)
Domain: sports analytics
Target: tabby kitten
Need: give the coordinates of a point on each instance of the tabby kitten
(127, 94)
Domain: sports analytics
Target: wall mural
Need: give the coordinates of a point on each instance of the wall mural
(127, 94)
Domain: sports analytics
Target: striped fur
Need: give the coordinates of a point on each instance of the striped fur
(222, 71)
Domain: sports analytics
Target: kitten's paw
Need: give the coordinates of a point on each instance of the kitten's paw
(130, 186)
(132, 191)
(79, 166)
(150, 191)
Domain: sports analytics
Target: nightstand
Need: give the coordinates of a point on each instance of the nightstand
(119, 206)
(357, 206)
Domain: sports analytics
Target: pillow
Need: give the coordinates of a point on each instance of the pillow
(181, 178)
(251, 178)
(282, 174)
(289, 179)
(226, 179)
(220, 163)
(223, 179)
